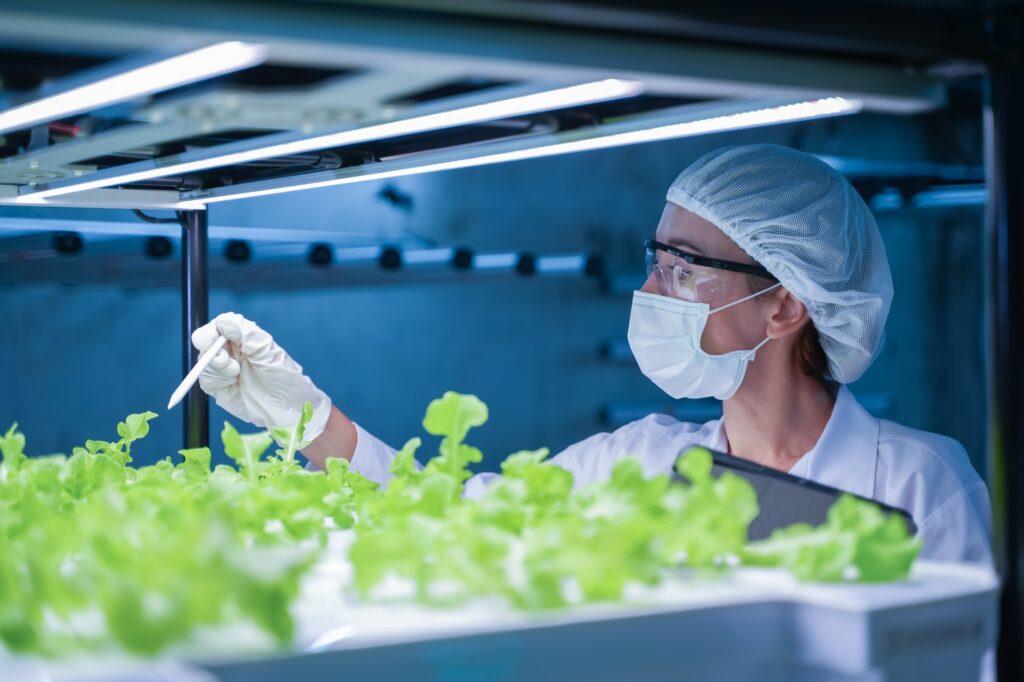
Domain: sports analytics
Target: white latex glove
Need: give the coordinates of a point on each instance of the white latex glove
(255, 380)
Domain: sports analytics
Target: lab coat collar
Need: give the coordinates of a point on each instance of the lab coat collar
(844, 456)
(847, 451)
(716, 439)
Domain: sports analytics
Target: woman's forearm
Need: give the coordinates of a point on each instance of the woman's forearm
(338, 440)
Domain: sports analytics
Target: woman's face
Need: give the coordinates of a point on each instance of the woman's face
(740, 327)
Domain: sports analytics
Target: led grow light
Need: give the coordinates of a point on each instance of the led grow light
(787, 113)
(197, 65)
(576, 95)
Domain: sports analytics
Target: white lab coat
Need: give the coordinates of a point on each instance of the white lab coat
(926, 474)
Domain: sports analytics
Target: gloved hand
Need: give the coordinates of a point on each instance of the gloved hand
(255, 380)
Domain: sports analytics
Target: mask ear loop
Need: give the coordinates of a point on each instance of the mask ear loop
(750, 353)
(747, 298)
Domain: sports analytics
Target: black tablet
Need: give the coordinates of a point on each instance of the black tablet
(785, 499)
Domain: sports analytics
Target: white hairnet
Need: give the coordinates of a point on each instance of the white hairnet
(805, 223)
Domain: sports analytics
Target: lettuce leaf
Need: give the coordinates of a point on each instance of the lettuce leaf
(291, 439)
(858, 541)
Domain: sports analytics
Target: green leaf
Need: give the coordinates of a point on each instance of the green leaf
(291, 439)
(455, 458)
(739, 495)
(888, 554)
(695, 464)
(134, 427)
(518, 463)
(858, 541)
(196, 465)
(453, 415)
(12, 447)
(245, 450)
(95, 446)
(404, 463)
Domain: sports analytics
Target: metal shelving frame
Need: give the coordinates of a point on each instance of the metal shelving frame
(1004, 147)
(195, 312)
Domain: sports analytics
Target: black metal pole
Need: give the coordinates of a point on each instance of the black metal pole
(195, 309)
(1004, 152)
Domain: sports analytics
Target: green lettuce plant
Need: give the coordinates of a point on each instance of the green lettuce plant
(857, 542)
(97, 554)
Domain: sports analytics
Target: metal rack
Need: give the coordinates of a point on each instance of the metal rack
(195, 311)
(1004, 145)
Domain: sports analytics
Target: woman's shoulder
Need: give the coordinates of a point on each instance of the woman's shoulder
(938, 456)
(929, 475)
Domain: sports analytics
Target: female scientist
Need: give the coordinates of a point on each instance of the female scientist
(762, 252)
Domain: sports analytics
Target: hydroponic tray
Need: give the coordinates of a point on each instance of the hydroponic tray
(754, 624)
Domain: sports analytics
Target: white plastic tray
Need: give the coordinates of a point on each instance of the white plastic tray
(755, 624)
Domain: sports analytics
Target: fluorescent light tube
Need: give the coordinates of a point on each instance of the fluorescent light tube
(586, 93)
(426, 256)
(165, 74)
(494, 261)
(942, 196)
(548, 265)
(788, 113)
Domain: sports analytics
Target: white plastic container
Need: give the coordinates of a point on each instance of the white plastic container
(757, 624)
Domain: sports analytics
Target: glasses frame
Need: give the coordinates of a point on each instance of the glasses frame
(694, 259)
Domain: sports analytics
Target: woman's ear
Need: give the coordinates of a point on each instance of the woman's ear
(788, 316)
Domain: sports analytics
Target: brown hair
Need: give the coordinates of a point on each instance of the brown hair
(810, 358)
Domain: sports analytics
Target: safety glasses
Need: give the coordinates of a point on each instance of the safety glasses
(690, 277)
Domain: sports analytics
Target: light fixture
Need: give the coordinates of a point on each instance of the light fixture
(785, 113)
(951, 195)
(197, 65)
(561, 98)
